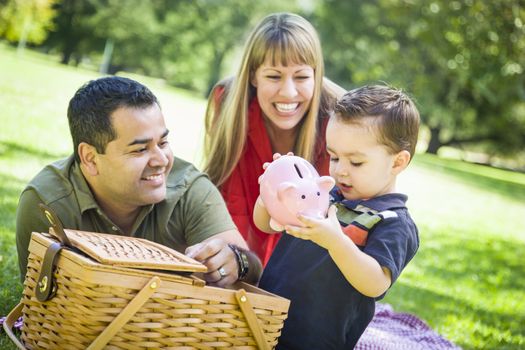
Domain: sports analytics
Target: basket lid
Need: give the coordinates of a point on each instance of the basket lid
(133, 252)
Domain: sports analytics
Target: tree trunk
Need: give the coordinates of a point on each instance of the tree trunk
(434, 143)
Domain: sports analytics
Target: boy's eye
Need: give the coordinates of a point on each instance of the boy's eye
(356, 163)
(163, 143)
(333, 159)
(140, 150)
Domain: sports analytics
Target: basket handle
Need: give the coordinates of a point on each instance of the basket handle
(251, 319)
(56, 224)
(126, 314)
(9, 324)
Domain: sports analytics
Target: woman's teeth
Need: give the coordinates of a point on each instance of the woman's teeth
(286, 107)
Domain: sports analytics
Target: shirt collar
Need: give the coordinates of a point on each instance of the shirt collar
(387, 201)
(86, 200)
(84, 195)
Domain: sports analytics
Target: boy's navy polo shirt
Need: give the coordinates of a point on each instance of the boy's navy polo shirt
(326, 311)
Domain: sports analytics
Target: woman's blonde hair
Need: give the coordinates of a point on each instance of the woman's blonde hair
(283, 38)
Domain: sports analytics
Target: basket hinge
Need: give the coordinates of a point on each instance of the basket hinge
(126, 314)
(251, 319)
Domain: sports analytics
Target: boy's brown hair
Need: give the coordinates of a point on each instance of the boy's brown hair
(395, 116)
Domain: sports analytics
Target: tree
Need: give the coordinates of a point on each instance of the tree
(72, 35)
(201, 34)
(462, 60)
(26, 21)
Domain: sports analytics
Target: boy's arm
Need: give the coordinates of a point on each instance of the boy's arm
(261, 218)
(361, 270)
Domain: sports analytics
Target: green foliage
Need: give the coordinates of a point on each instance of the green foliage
(27, 21)
(184, 42)
(462, 60)
(466, 281)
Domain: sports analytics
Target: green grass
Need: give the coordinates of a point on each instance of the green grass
(467, 280)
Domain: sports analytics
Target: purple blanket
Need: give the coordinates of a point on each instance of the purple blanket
(394, 330)
(389, 330)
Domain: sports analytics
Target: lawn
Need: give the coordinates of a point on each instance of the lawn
(467, 280)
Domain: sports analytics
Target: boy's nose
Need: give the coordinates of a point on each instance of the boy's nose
(341, 170)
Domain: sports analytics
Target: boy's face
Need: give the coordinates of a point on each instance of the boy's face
(133, 170)
(361, 166)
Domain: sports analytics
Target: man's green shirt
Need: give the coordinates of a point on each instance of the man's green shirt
(192, 211)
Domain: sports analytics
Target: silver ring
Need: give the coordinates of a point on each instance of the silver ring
(222, 272)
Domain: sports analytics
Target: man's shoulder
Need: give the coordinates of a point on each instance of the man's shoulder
(52, 182)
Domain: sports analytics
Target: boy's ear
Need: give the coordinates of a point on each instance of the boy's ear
(401, 161)
(88, 158)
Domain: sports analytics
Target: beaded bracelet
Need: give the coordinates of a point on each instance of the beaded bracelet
(242, 261)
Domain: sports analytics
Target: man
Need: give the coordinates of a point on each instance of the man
(123, 179)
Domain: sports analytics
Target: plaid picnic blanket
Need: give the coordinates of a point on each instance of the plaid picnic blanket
(389, 330)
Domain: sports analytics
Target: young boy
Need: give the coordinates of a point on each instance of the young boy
(334, 269)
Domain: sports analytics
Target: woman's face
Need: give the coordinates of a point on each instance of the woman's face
(284, 93)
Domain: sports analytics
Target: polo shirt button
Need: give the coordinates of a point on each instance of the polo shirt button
(114, 228)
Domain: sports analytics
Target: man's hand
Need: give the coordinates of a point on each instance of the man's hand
(218, 258)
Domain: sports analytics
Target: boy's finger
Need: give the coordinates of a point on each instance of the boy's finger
(306, 220)
(332, 211)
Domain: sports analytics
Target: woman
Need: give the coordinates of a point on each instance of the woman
(278, 101)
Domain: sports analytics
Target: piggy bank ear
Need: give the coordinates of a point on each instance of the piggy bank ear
(285, 189)
(326, 183)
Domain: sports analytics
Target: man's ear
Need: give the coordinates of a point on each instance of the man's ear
(401, 161)
(88, 158)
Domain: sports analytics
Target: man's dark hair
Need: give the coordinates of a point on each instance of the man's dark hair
(89, 111)
(394, 114)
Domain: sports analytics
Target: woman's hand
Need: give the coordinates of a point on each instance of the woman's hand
(267, 164)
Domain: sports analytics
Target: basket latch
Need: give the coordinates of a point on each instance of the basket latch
(46, 284)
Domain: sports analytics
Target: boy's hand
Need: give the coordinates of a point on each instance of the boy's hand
(324, 232)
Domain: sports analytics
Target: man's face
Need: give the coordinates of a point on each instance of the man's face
(133, 170)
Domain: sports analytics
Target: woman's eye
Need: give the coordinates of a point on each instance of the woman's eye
(303, 77)
(334, 159)
(356, 163)
(273, 77)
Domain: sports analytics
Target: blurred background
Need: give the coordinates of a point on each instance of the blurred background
(462, 61)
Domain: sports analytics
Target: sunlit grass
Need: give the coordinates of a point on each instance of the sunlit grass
(467, 280)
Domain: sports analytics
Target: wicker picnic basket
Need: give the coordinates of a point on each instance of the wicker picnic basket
(122, 296)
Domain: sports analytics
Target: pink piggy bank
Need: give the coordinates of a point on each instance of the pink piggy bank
(291, 185)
